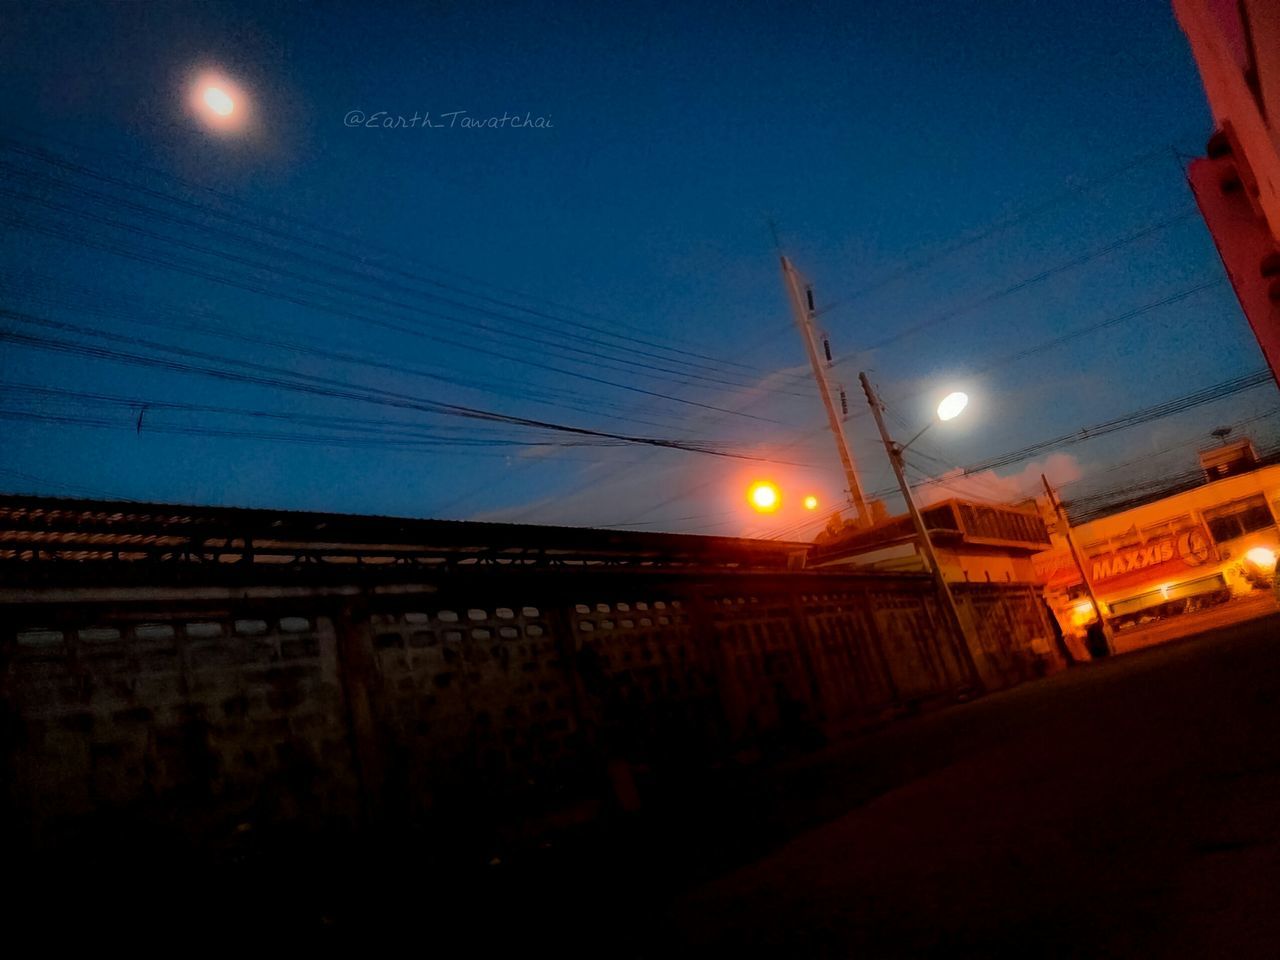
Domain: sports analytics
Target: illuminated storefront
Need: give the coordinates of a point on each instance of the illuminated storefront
(1180, 553)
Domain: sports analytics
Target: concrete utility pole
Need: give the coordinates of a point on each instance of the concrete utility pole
(1061, 514)
(894, 451)
(802, 308)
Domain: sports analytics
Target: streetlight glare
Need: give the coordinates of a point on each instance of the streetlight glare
(952, 405)
(219, 101)
(764, 497)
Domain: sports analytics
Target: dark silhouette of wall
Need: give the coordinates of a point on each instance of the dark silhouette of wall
(458, 705)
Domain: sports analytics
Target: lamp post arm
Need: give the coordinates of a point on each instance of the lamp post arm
(903, 447)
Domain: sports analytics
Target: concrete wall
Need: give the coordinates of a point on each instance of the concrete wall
(464, 706)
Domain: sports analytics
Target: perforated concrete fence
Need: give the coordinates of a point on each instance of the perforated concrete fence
(508, 698)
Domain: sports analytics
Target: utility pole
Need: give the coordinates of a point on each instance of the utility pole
(952, 611)
(1061, 513)
(802, 308)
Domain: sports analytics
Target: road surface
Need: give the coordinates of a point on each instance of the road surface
(1261, 603)
(1129, 807)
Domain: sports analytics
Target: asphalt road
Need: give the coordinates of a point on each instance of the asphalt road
(1129, 808)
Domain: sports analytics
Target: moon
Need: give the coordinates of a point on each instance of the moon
(219, 101)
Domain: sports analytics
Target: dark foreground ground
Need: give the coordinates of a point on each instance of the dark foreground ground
(1129, 807)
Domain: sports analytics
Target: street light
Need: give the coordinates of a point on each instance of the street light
(764, 496)
(950, 407)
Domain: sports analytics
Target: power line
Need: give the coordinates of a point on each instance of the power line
(1054, 342)
(1085, 510)
(1146, 415)
(998, 226)
(358, 425)
(302, 383)
(1103, 324)
(453, 445)
(347, 253)
(343, 269)
(130, 312)
(1146, 458)
(1020, 285)
(342, 310)
(226, 280)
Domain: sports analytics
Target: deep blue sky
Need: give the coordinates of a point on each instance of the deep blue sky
(873, 135)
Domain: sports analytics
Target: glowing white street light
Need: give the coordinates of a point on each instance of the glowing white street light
(952, 405)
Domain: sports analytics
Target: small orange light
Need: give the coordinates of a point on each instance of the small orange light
(764, 497)
(811, 502)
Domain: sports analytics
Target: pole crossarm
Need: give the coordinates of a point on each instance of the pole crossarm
(803, 312)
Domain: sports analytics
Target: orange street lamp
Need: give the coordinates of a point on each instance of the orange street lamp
(764, 497)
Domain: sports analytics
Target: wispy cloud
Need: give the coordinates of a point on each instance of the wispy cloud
(1060, 468)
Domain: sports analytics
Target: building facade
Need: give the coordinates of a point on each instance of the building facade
(1176, 554)
(1236, 44)
(975, 543)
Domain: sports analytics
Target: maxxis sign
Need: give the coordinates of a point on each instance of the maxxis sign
(1165, 558)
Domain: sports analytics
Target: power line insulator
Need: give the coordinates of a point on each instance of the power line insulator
(826, 348)
(844, 402)
(808, 296)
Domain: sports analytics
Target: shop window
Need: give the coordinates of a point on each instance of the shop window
(1240, 518)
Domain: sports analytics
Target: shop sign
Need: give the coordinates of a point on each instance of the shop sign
(1191, 547)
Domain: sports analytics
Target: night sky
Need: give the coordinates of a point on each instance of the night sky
(917, 160)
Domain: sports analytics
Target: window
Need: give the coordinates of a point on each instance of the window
(1237, 519)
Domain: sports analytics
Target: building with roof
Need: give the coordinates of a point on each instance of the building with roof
(975, 542)
(1201, 540)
